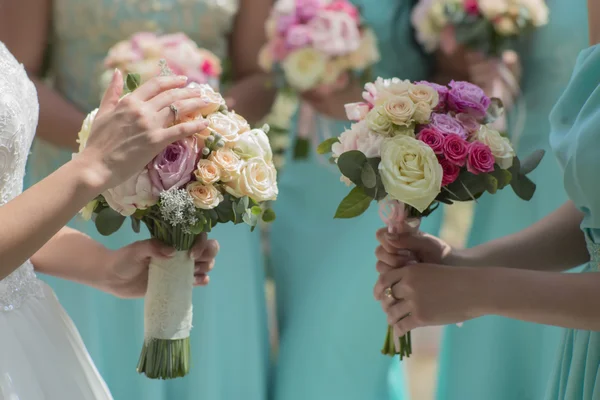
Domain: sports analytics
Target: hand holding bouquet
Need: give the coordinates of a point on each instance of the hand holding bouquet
(141, 53)
(414, 145)
(222, 174)
(316, 45)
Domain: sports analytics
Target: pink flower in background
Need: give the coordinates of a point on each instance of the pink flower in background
(298, 36)
(307, 9)
(285, 22)
(356, 111)
(173, 167)
(469, 122)
(471, 7)
(456, 149)
(451, 171)
(174, 39)
(334, 33)
(279, 48)
(447, 125)
(442, 93)
(433, 139)
(345, 7)
(480, 159)
(133, 194)
(464, 97)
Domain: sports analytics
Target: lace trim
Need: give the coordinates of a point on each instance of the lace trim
(18, 287)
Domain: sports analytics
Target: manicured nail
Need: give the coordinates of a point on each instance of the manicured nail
(404, 253)
(182, 78)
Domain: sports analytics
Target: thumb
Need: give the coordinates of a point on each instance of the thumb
(419, 244)
(113, 92)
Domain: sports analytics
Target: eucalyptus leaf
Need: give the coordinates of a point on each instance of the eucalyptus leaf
(325, 147)
(268, 215)
(198, 228)
(351, 164)
(250, 218)
(354, 204)
(531, 161)
(503, 177)
(256, 210)
(225, 210)
(368, 176)
(491, 183)
(108, 221)
(523, 187)
(133, 81)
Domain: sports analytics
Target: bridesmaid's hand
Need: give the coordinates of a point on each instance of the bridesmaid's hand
(427, 295)
(127, 268)
(484, 71)
(331, 101)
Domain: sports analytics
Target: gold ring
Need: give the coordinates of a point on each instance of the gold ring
(175, 111)
(389, 293)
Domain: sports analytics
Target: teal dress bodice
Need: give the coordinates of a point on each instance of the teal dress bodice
(229, 338)
(496, 358)
(331, 328)
(575, 139)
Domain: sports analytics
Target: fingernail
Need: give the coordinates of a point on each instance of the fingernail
(182, 78)
(404, 253)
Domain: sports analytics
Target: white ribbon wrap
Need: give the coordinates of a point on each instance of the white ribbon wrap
(168, 301)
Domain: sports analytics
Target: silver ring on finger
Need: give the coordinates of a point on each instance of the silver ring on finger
(175, 112)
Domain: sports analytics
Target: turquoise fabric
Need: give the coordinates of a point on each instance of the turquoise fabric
(574, 138)
(495, 358)
(331, 328)
(229, 338)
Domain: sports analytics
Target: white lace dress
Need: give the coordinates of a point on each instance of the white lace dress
(42, 356)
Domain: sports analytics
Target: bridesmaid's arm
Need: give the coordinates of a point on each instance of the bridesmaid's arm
(250, 93)
(25, 29)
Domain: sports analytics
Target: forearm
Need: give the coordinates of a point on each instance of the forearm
(34, 217)
(555, 243)
(59, 120)
(75, 256)
(550, 298)
(253, 96)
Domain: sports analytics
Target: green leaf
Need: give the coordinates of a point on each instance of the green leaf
(368, 176)
(198, 228)
(467, 187)
(135, 224)
(325, 147)
(268, 215)
(225, 210)
(133, 81)
(301, 149)
(354, 204)
(503, 176)
(250, 218)
(378, 192)
(256, 210)
(531, 162)
(491, 183)
(523, 187)
(108, 221)
(351, 164)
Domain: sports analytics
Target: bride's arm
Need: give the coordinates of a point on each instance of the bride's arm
(25, 29)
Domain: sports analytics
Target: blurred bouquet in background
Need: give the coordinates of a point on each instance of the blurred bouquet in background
(141, 53)
(414, 145)
(316, 45)
(222, 174)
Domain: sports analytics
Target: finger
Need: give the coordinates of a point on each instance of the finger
(181, 131)
(185, 109)
(391, 259)
(203, 267)
(230, 102)
(406, 325)
(113, 93)
(155, 86)
(387, 280)
(165, 99)
(416, 244)
(382, 267)
(198, 247)
(398, 311)
(201, 280)
(154, 248)
(210, 251)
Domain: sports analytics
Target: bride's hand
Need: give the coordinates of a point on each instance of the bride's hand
(127, 268)
(128, 132)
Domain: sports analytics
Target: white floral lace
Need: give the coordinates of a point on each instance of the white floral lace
(18, 120)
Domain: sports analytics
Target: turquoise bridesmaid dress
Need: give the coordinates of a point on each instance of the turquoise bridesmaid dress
(575, 139)
(495, 358)
(229, 339)
(331, 328)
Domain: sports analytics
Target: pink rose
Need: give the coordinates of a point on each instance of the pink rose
(146, 43)
(174, 39)
(447, 125)
(451, 171)
(133, 194)
(285, 22)
(433, 139)
(356, 111)
(468, 122)
(298, 36)
(173, 167)
(345, 7)
(480, 159)
(465, 97)
(279, 49)
(471, 7)
(307, 9)
(456, 149)
(334, 33)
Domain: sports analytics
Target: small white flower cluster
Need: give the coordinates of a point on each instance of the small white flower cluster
(177, 208)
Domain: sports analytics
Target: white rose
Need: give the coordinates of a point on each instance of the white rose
(378, 122)
(410, 171)
(388, 88)
(205, 197)
(356, 111)
(399, 110)
(133, 194)
(499, 145)
(422, 113)
(423, 93)
(334, 33)
(228, 162)
(491, 9)
(254, 143)
(225, 126)
(87, 211)
(304, 68)
(538, 10)
(257, 180)
(207, 172)
(360, 138)
(86, 129)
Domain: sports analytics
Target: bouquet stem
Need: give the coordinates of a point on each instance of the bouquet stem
(306, 128)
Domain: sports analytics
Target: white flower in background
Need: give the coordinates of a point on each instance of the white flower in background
(284, 108)
(428, 18)
(410, 171)
(257, 180)
(499, 145)
(367, 53)
(538, 10)
(334, 33)
(492, 9)
(265, 59)
(304, 68)
(86, 129)
(506, 26)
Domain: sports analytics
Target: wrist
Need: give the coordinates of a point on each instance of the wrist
(93, 175)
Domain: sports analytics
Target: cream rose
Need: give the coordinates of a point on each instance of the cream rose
(241, 122)
(213, 100)
(225, 126)
(399, 110)
(205, 197)
(304, 68)
(207, 172)
(254, 143)
(422, 113)
(388, 88)
(133, 194)
(229, 163)
(499, 145)
(257, 180)
(506, 26)
(378, 122)
(423, 93)
(86, 129)
(410, 171)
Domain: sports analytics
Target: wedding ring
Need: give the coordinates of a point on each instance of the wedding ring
(175, 111)
(389, 293)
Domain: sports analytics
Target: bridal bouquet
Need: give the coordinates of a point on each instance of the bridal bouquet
(141, 54)
(316, 45)
(223, 174)
(414, 145)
